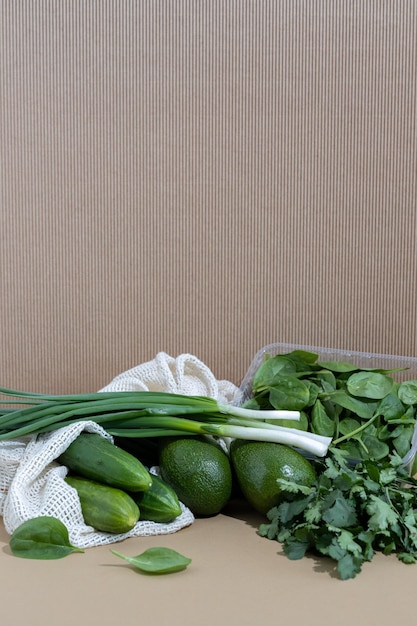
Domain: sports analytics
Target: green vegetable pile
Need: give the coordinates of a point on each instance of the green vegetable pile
(364, 499)
(364, 410)
(355, 425)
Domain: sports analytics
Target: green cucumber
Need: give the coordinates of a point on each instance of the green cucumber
(159, 503)
(92, 456)
(105, 508)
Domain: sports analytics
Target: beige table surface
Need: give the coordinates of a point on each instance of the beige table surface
(236, 578)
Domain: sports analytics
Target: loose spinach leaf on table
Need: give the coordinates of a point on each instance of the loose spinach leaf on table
(157, 560)
(42, 537)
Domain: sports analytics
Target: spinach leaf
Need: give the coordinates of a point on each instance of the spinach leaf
(407, 392)
(42, 537)
(375, 448)
(321, 424)
(391, 406)
(359, 407)
(327, 380)
(313, 390)
(267, 373)
(303, 357)
(371, 385)
(289, 392)
(401, 437)
(348, 426)
(157, 560)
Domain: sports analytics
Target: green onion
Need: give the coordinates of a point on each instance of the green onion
(150, 414)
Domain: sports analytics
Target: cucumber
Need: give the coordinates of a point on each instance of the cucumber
(92, 456)
(105, 508)
(143, 448)
(159, 503)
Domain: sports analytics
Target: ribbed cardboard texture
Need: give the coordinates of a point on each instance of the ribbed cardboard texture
(203, 177)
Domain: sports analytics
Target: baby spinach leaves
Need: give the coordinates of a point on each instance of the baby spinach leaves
(366, 412)
(41, 537)
(157, 560)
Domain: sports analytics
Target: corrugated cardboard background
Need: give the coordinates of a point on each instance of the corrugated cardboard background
(203, 177)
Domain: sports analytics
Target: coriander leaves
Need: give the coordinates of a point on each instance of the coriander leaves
(350, 513)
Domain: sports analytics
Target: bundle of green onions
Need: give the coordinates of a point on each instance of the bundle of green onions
(150, 414)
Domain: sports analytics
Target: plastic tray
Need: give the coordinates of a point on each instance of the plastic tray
(362, 359)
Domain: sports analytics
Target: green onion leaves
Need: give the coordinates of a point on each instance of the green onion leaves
(152, 414)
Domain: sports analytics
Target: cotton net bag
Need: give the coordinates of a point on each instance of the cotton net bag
(32, 483)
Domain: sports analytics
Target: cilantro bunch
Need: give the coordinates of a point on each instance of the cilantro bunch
(349, 513)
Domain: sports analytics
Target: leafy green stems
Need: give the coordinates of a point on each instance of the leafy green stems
(357, 431)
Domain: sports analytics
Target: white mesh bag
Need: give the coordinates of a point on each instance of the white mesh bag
(32, 482)
(185, 374)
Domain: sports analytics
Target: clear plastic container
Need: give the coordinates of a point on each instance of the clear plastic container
(362, 359)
